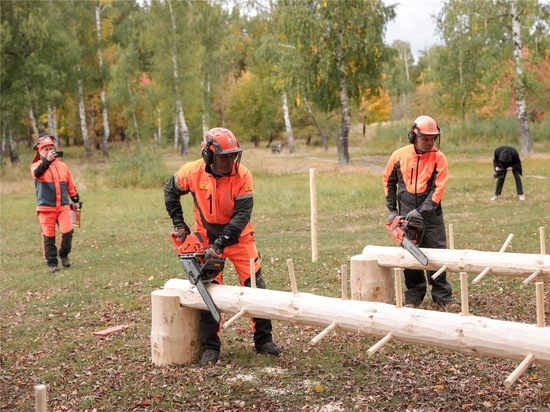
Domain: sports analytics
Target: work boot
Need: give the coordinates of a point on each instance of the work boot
(209, 356)
(269, 348)
(412, 304)
(65, 262)
(53, 268)
(494, 197)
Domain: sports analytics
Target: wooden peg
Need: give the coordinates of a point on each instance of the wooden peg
(323, 333)
(378, 345)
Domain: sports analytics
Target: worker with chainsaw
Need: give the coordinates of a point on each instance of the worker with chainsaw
(222, 193)
(55, 189)
(415, 179)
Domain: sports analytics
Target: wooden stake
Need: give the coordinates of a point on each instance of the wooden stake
(488, 268)
(464, 294)
(324, 333)
(381, 343)
(313, 200)
(398, 274)
(542, 241)
(252, 274)
(344, 276)
(540, 304)
(41, 398)
(519, 370)
(234, 318)
(292, 277)
(451, 236)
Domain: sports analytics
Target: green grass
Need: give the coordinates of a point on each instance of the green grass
(122, 252)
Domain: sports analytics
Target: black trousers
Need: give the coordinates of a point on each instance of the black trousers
(210, 329)
(415, 280)
(502, 177)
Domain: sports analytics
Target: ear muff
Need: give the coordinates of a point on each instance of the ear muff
(210, 148)
(207, 154)
(412, 134)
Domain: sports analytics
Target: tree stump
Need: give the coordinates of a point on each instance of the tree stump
(370, 282)
(175, 336)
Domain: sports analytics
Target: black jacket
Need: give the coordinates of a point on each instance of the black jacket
(514, 162)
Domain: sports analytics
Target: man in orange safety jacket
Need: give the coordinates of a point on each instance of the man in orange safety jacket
(415, 179)
(222, 193)
(54, 187)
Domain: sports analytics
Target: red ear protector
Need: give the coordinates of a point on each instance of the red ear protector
(207, 153)
(412, 135)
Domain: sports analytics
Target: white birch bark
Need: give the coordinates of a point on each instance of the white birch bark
(343, 131)
(33, 123)
(179, 106)
(288, 125)
(104, 112)
(521, 107)
(82, 114)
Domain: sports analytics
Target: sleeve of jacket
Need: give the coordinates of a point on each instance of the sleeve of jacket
(71, 186)
(434, 198)
(39, 168)
(172, 194)
(389, 179)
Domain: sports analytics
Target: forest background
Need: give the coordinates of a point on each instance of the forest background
(129, 89)
(95, 73)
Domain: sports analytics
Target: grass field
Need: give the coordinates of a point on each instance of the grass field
(122, 252)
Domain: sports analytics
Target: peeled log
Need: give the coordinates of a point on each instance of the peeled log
(470, 261)
(468, 334)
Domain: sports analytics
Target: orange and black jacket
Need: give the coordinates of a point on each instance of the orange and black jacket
(415, 181)
(222, 205)
(54, 185)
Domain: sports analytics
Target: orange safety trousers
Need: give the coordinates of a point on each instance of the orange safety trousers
(240, 255)
(48, 221)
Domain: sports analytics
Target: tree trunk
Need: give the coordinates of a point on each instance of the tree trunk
(33, 123)
(288, 125)
(343, 131)
(106, 129)
(521, 107)
(82, 114)
(324, 139)
(179, 106)
(14, 157)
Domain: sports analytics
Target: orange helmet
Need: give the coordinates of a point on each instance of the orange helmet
(220, 141)
(423, 126)
(44, 139)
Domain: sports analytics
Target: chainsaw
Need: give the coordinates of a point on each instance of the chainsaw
(198, 269)
(406, 236)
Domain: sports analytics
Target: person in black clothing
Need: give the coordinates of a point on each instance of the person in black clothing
(506, 159)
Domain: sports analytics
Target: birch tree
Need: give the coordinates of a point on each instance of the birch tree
(106, 129)
(341, 48)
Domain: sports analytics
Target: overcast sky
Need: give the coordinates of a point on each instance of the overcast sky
(413, 24)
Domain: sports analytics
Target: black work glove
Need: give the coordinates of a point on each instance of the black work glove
(392, 216)
(77, 204)
(181, 230)
(213, 252)
(414, 218)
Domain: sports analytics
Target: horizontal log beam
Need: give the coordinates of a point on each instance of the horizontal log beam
(472, 335)
(470, 261)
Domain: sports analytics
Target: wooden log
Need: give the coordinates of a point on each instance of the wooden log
(323, 333)
(370, 282)
(464, 299)
(41, 398)
(292, 277)
(472, 335)
(174, 329)
(457, 260)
